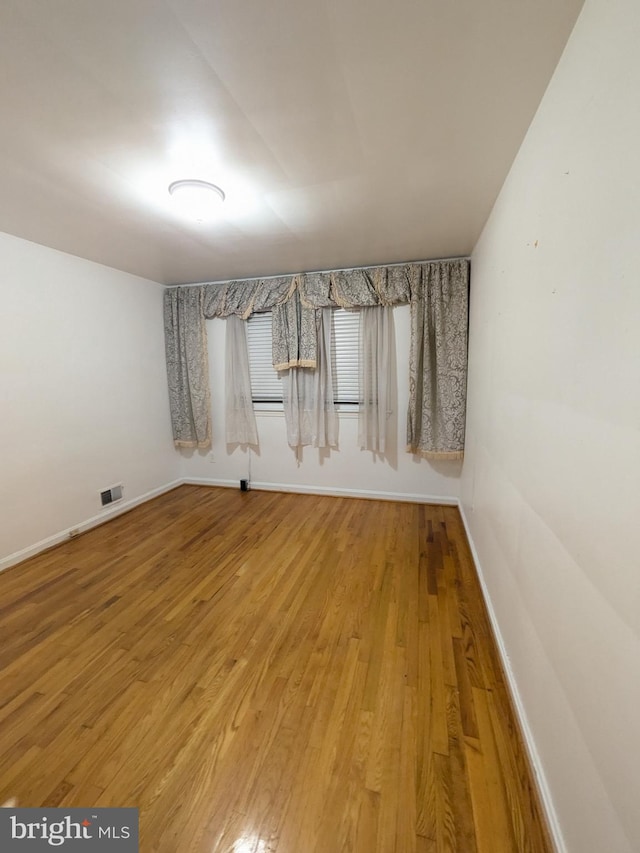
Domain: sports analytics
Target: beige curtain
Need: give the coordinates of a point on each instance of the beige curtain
(309, 408)
(438, 360)
(240, 420)
(294, 337)
(437, 292)
(377, 377)
(187, 366)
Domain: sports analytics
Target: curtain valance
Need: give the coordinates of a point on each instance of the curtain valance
(357, 288)
(437, 292)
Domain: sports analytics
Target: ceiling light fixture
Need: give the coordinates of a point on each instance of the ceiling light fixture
(197, 199)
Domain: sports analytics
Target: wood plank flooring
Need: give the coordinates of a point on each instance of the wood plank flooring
(266, 673)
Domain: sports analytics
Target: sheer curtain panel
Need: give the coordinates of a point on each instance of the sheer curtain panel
(239, 416)
(377, 380)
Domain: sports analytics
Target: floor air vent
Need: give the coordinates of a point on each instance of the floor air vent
(110, 496)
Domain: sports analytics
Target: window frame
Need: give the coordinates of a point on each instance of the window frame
(345, 331)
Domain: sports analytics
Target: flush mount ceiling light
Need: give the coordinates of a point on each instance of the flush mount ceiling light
(197, 199)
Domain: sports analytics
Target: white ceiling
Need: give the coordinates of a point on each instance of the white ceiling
(344, 132)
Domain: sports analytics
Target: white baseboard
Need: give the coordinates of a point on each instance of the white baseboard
(529, 741)
(83, 526)
(209, 481)
(530, 745)
(332, 491)
(108, 514)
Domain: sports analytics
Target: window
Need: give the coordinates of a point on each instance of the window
(344, 355)
(266, 384)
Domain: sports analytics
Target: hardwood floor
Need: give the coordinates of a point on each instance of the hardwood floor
(265, 673)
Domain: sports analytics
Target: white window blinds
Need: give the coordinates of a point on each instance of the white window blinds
(266, 384)
(344, 355)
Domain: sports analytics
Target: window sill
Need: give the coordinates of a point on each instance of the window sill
(348, 410)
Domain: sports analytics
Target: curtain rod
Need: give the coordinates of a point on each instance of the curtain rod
(315, 272)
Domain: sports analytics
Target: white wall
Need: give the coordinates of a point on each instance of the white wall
(83, 392)
(347, 469)
(551, 479)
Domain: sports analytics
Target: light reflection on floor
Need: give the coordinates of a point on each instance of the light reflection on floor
(250, 844)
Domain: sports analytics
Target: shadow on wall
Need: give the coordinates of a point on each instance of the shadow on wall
(451, 469)
(446, 468)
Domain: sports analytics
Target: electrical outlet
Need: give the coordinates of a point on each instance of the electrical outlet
(211, 457)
